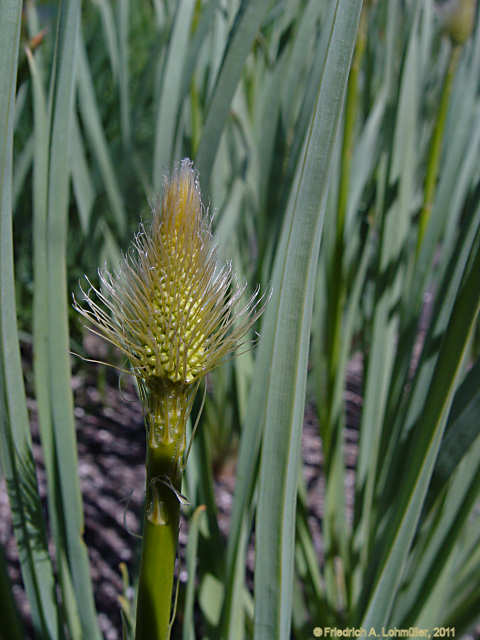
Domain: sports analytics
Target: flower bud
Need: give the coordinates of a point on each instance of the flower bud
(459, 20)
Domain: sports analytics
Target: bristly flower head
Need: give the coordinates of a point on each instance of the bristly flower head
(171, 308)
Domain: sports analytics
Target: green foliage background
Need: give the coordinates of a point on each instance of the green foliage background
(317, 169)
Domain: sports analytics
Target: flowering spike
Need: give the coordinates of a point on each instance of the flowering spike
(171, 308)
(175, 312)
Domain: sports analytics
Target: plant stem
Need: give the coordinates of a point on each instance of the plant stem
(436, 147)
(160, 528)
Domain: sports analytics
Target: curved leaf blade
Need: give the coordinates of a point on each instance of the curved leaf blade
(401, 528)
(292, 313)
(15, 442)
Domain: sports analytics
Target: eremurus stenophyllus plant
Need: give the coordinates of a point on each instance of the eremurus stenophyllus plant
(174, 312)
(117, 90)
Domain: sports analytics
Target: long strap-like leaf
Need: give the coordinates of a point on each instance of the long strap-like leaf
(429, 430)
(291, 314)
(15, 443)
(74, 559)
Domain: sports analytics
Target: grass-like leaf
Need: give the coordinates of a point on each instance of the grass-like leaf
(424, 447)
(291, 313)
(247, 23)
(58, 337)
(15, 442)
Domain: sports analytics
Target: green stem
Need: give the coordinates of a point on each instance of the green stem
(165, 447)
(436, 147)
(160, 536)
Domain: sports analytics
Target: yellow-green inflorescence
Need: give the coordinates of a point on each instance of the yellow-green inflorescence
(170, 307)
(174, 312)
